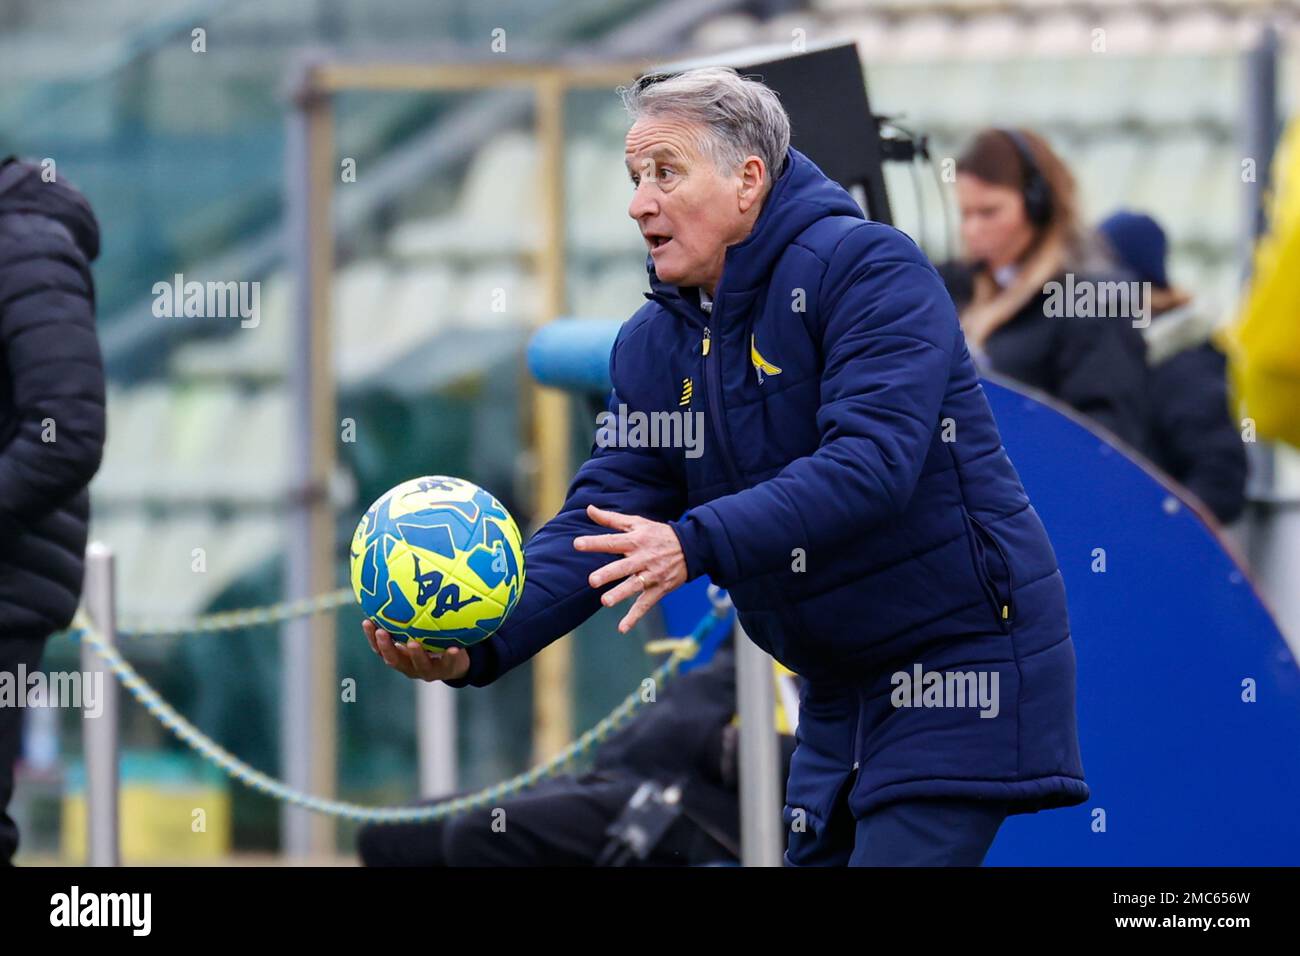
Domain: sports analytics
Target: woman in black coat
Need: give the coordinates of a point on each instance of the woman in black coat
(1023, 289)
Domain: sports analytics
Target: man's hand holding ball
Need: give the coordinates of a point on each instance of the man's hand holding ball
(414, 660)
(652, 564)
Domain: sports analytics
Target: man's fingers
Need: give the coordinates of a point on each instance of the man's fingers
(412, 658)
(422, 660)
(644, 603)
(389, 651)
(611, 519)
(621, 592)
(443, 666)
(614, 571)
(446, 664)
(608, 543)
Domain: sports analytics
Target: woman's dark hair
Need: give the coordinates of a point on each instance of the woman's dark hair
(997, 157)
(994, 157)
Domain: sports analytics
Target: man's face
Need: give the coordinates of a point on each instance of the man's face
(994, 227)
(687, 210)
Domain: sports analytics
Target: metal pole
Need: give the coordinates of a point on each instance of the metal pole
(1274, 528)
(1259, 129)
(100, 742)
(762, 837)
(309, 691)
(553, 668)
(435, 734)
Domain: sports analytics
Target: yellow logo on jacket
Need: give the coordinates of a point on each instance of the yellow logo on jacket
(761, 365)
(688, 391)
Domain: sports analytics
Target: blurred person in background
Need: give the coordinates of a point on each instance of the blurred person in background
(688, 739)
(1193, 436)
(1021, 232)
(51, 427)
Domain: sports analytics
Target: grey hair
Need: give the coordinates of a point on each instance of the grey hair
(739, 115)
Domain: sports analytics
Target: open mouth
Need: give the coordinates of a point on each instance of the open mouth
(657, 242)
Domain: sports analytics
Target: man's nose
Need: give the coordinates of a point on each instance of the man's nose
(643, 203)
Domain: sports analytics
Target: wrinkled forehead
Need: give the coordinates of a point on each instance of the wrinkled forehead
(662, 139)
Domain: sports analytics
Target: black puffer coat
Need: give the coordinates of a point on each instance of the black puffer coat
(51, 397)
(1195, 437)
(1096, 365)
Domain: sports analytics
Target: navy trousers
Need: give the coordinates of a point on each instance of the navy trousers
(930, 832)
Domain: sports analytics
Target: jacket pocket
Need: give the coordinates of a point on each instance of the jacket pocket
(993, 570)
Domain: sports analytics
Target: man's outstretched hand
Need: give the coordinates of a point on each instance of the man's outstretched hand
(651, 566)
(413, 660)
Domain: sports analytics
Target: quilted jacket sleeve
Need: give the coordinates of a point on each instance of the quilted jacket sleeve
(556, 596)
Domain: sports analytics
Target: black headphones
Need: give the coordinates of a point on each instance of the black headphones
(1037, 192)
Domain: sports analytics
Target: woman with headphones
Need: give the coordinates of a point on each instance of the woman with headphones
(1027, 260)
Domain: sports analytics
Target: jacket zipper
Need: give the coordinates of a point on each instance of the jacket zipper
(1002, 603)
(713, 389)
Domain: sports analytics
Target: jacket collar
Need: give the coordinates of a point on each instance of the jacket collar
(801, 195)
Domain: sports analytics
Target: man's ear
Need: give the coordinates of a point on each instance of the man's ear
(753, 179)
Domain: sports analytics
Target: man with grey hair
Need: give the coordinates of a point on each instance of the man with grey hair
(853, 495)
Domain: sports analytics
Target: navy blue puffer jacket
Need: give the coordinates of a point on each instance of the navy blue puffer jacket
(853, 495)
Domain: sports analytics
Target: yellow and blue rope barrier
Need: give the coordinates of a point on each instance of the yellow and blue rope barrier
(238, 619)
(256, 780)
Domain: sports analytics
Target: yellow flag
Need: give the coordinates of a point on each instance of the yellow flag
(1263, 344)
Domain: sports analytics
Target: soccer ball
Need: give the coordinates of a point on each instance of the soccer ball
(437, 559)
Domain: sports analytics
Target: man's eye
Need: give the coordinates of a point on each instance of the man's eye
(636, 180)
(665, 171)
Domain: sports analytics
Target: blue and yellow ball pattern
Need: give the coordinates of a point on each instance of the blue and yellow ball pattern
(438, 559)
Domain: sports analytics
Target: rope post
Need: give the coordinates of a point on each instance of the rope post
(553, 667)
(99, 738)
(435, 734)
(309, 682)
(762, 840)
